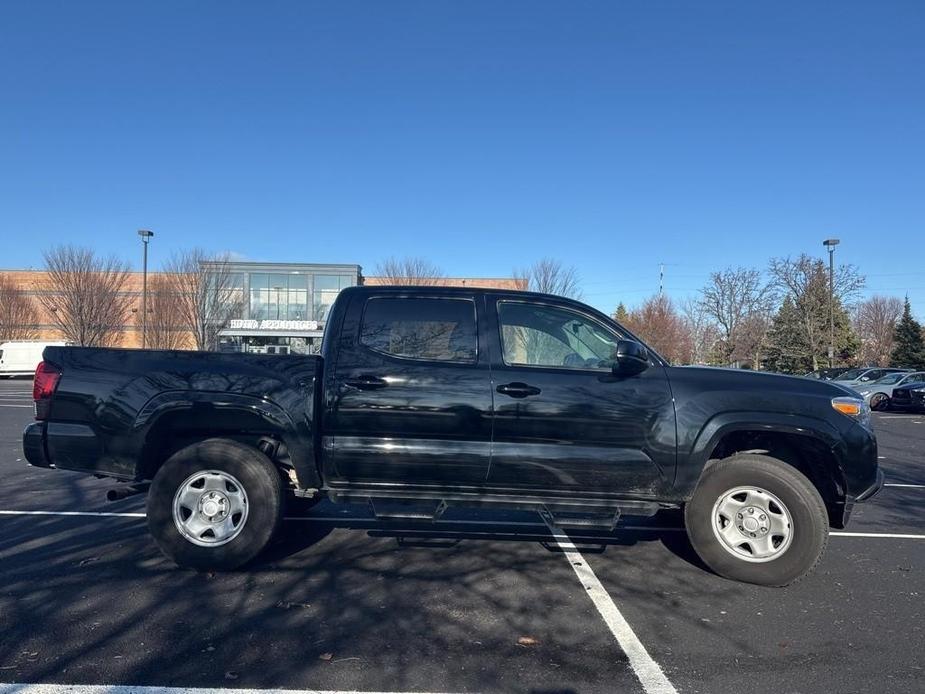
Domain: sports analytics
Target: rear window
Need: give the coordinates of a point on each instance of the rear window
(431, 329)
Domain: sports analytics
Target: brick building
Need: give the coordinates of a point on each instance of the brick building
(283, 308)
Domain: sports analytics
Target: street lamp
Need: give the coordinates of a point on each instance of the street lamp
(830, 244)
(145, 237)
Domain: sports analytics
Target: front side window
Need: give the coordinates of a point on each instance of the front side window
(431, 329)
(533, 335)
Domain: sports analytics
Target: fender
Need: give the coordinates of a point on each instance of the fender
(721, 425)
(276, 419)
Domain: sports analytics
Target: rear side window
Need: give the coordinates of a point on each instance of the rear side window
(431, 329)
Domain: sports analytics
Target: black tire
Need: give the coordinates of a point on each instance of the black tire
(880, 402)
(257, 476)
(809, 530)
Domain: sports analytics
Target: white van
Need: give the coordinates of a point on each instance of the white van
(21, 358)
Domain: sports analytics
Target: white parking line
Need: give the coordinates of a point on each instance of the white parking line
(650, 675)
(73, 513)
(23, 688)
(895, 536)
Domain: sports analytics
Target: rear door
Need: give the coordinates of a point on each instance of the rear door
(411, 400)
(563, 420)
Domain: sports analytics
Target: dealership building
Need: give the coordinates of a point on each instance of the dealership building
(285, 305)
(282, 307)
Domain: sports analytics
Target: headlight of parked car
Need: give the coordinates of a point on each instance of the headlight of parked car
(855, 408)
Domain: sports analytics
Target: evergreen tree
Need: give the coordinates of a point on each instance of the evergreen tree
(908, 344)
(621, 315)
(788, 350)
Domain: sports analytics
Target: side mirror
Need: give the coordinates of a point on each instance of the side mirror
(630, 358)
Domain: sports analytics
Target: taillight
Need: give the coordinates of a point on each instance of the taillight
(43, 387)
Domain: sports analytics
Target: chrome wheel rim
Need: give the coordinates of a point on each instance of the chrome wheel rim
(878, 401)
(210, 508)
(752, 524)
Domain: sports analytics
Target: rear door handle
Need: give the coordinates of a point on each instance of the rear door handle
(518, 390)
(366, 382)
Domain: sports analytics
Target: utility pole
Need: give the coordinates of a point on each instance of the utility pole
(145, 237)
(830, 244)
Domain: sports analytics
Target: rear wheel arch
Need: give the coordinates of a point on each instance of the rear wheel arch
(172, 426)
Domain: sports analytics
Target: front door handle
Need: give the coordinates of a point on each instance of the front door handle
(517, 390)
(366, 382)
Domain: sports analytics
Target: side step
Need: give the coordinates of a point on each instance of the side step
(601, 520)
(398, 509)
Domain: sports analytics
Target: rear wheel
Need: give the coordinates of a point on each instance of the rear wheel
(756, 519)
(879, 402)
(215, 505)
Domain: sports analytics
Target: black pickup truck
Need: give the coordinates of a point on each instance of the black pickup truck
(424, 398)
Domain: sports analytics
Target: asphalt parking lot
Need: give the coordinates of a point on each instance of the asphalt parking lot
(476, 602)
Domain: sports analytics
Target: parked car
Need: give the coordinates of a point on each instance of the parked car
(852, 378)
(429, 397)
(877, 393)
(909, 397)
(827, 374)
(19, 358)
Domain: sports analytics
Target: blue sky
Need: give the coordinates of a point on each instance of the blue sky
(481, 135)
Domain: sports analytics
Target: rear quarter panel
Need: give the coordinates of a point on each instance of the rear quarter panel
(109, 403)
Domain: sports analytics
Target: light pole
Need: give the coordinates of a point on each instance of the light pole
(145, 237)
(830, 244)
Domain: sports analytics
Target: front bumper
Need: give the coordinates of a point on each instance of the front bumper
(872, 489)
(848, 505)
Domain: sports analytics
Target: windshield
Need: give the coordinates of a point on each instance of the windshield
(851, 374)
(891, 379)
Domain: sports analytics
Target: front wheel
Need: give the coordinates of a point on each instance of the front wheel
(215, 505)
(754, 518)
(879, 402)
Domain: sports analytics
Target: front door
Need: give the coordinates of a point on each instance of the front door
(563, 420)
(410, 401)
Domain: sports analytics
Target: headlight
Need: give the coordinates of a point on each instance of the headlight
(855, 408)
(918, 390)
(863, 392)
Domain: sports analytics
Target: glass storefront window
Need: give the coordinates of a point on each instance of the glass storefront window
(259, 295)
(290, 296)
(278, 297)
(327, 287)
(298, 297)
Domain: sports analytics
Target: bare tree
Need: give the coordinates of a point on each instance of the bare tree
(206, 293)
(409, 272)
(806, 281)
(704, 333)
(751, 339)
(740, 302)
(875, 320)
(86, 295)
(166, 328)
(659, 324)
(17, 313)
(550, 276)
